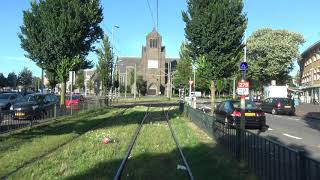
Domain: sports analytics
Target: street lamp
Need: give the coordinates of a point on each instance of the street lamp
(113, 60)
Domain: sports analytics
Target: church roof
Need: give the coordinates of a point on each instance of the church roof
(128, 62)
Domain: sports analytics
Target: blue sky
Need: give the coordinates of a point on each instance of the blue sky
(134, 19)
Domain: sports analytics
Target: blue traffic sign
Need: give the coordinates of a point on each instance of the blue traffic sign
(243, 66)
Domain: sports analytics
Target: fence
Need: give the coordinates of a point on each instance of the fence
(270, 160)
(13, 120)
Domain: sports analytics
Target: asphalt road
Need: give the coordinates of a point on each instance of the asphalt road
(295, 132)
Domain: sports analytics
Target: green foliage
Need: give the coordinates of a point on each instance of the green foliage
(58, 34)
(104, 66)
(215, 29)
(131, 77)
(3, 81)
(80, 79)
(36, 81)
(183, 69)
(271, 54)
(12, 80)
(220, 86)
(52, 78)
(25, 78)
(202, 84)
(90, 85)
(141, 85)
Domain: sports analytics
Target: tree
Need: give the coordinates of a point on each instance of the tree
(214, 29)
(90, 85)
(36, 81)
(58, 35)
(104, 66)
(297, 78)
(25, 78)
(271, 54)
(80, 79)
(52, 78)
(12, 80)
(183, 69)
(202, 84)
(220, 84)
(141, 85)
(3, 81)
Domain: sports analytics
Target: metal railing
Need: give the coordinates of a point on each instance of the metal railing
(269, 159)
(14, 120)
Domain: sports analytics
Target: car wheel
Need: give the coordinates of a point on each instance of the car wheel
(274, 112)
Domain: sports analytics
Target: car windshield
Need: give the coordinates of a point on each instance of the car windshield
(285, 100)
(249, 105)
(30, 98)
(75, 97)
(5, 96)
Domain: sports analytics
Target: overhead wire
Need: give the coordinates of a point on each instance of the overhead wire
(151, 13)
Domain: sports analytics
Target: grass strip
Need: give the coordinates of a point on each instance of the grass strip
(19, 149)
(206, 158)
(153, 157)
(87, 157)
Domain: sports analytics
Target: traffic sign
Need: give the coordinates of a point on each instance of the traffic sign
(243, 84)
(243, 66)
(190, 82)
(243, 88)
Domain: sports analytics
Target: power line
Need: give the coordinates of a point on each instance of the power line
(150, 10)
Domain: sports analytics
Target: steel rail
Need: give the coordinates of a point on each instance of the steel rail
(177, 143)
(124, 161)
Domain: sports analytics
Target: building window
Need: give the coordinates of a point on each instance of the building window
(153, 43)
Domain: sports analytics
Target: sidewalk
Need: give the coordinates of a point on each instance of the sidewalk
(308, 111)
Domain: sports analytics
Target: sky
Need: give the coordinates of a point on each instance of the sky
(135, 21)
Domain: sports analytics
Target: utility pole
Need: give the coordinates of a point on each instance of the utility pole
(42, 80)
(135, 80)
(194, 81)
(234, 88)
(170, 83)
(113, 63)
(243, 97)
(126, 84)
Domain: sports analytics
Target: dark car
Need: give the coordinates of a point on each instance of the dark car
(229, 113)
(8, 99)
(33, 106)
(278, 106)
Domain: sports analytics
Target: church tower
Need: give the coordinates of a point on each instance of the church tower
(153, 63)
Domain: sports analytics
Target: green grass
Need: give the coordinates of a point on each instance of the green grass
(18, 149)
(154, 155)
(147, 99)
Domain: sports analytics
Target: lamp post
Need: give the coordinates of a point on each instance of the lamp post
(113, 63)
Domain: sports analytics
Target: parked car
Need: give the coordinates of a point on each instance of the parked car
(278, 106)
(228, 112)
(8, 99)
(74, 102)
(33, 106)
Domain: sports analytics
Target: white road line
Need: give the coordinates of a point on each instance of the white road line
(270, 129)
(295, 137)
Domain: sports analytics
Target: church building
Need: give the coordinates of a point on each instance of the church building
(153, 65)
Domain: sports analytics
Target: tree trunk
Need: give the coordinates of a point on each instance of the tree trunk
(213, 97)
(63, 93)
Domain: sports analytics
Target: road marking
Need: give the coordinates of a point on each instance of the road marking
(270, 129)
(295, 137)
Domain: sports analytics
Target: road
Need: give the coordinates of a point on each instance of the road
(295, 132)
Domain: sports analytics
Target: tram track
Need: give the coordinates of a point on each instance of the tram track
(148, 117)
